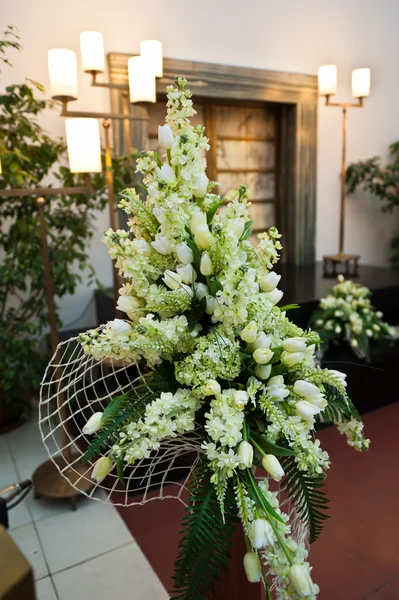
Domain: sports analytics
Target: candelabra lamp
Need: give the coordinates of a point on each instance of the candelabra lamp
(327, 77)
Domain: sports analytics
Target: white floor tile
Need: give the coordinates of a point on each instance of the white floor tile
(120, 574)
(73, 537)
(27, 541)
(45, 589)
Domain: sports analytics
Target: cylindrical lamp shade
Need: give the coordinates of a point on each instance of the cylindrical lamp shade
(361, 83)
(327, 76)
(63, 74)
(151, 51)
(83, 143)
(92, 51)
(141, 80)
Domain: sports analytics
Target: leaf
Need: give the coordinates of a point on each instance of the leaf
(197, 256)
(142, 186)
(340, 407)
(211, 212)
(159, 161)
(113, 408)
(289, 307)
(120, 465)
(214, 286)
(247, 231)
(270, 448)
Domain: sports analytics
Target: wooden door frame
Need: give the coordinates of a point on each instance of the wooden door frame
(297, 93)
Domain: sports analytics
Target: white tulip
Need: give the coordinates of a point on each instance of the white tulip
(292, 358)
(128, 304)
(103, 466)
(236, 226)
(184, 253)
(161, 244)
(269, 282)
(245, 453)
(211, 304)
(295, 344)
(211, 388)
(318, 401)
(93, 424)
(339, 375)
(143, 246)
(187, 273)
(306, 410)
(271, 464)
(198, 220)
(274, 296)
(206, 266)
(262, 341)
(263, 371)
(262, 356)
(188, 289)
(172, 279)
(262, 533)
(152, 191)
(301, 581)
(117, 326)
(249, 333)
(200, 186)
(167, 174)
(201, 291)
(165, 137)
(252, 567)
(306, 389)
(240, 398)
(203, 238)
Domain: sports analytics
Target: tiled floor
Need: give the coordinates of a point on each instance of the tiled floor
(78, 555)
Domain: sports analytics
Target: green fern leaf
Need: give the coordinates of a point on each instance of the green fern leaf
(340, 407)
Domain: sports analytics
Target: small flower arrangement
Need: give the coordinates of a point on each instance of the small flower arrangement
(347, 314)
(222, 360)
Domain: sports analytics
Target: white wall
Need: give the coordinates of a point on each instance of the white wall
(290, 35)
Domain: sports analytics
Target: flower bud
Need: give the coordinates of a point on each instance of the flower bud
(128, 304)
(206, 266)
(271, 464)
(296, 344)
(269, 282)
(306, 389)
(165, 137)
(117, 326)
(249, 333)
(262, 533)
(103, 466)
(263, 371)
(306, 410)
(252, 567)
(301, 581)
(236, 226)
(211, 304)
(161, 244)
(292, 358)
(201, 291)
(184, 253)
(211, 388)
(167, 174)
(262, 341)
(262, 356)
(198, 220)
(274, 296)
(240, 398)
(187, 273)
(93, 424)
(245, 453)
(200, 186)
(172, 279)
(203, 238)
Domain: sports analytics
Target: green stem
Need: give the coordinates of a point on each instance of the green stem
(265, 504)
(169, 155)
(282, 543)
(262, 452)
(248, 545)
(245, 430)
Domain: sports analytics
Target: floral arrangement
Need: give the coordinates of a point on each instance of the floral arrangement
(222, 359)
(347, 314)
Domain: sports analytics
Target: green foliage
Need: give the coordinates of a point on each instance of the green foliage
(306, 493)
(10, 40)
(340, 408)
(206, 539)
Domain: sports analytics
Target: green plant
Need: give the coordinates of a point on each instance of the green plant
(30, 157)
(381, 181)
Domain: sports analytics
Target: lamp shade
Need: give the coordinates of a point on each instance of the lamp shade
(327, 77)
(361, 83)
(92, 51)
(141, 80)
(83, 143)
(151, 51)
(63, 74)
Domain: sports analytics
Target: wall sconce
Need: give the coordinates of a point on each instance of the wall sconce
(327, 78)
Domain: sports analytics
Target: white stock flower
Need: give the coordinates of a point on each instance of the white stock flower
(211, 388)
(184, 253)
(202, 238)
(274, 296)
(269, 282)
(200, 185)
(172, 280)
(262, 356)
(292, 358)
(301, 581)
(201, 291)
(143, 246)
(165, 137)
(93, 424)
(252, 567)
(187, 273)
(103, 466)
(128, 304)
(167, 174)
(263, 371)
(161, 244)
(206, 266)
(118, 326)
(296, 344)
(249, 333)
(272, 465)
(262, 533)
(245, 453)
(240, 399)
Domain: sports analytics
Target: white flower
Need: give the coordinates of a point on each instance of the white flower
(211, 388)
(161, 244)
(262, 341)
(200, 186)
(203, 238)
(117, 326)
(201, 291)
(240, 398)
(292, 358)
(272, 465)
(274, 296)
(262, 533)
(103, 466)
(184, 253)
(338, 329)
(128, 304)
(189, 290)
(142, 245)
(198, 220)
(211, 304)
(245, 453)
(263, 371)
(306, 389)
(93, 424)
(369, 333)
(294, 344)
(301, 580)
(165, 137)
(236, 226)
(339, 375)
(172, 280)
(252, 567)
(206, 266)
(306, 410)
(262, 356)
(167, 174)
(187, 273)
(250, 332)
(269, 282)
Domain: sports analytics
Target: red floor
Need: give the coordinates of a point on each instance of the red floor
(357, 556)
